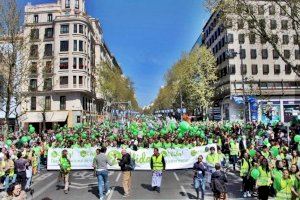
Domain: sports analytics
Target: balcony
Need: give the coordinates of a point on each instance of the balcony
(64, 86)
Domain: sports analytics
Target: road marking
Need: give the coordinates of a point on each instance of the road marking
(184, 191)
(111, 193)
(42, 190)
(176, 176)
(118, 177)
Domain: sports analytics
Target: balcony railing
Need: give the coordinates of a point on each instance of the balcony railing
(64, 85)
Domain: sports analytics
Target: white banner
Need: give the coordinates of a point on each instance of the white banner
(83, 158)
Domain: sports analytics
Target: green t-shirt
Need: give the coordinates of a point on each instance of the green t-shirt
(157, 145)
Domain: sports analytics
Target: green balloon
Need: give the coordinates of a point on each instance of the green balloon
(255, 173)
(184, 126)
(8, 142)
(297, 138)
(274, 151)
(24, 139)
(252, 153)
(84, 136)
(58, 136)
(31, 129)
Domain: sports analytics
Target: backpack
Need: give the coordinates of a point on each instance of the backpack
(132, 164)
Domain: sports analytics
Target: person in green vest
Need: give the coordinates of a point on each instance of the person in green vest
(244, 173)
(157, 164)
(264, 180)
(221, 157)
(212, 158)
(234, 152)
(65, 169)
(286, 187)
(265, 152)
(295, 176)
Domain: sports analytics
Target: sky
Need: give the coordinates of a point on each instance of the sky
(147, 36)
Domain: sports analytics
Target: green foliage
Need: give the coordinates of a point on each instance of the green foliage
(192, 76)
(115, 87)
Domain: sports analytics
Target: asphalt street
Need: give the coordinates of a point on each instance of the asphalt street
(176, 184)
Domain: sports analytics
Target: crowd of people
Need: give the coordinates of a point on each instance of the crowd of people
(267, 155)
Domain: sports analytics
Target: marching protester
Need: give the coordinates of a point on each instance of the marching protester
(212, 158)
(199, 177)
(21, 164)
(158, 165)
(124, 163)
(65, 169)
(218, 183)
(244, 173)
(100, 165)
(264, 180)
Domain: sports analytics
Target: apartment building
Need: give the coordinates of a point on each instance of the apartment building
(271, 89)
(66, 48)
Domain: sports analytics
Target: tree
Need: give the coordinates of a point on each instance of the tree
(233, 11)
(114, 86)
(192, 77)
(14, 66)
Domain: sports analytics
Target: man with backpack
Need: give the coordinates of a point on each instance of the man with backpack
(126, 165)
(218, 183)
(157, 164)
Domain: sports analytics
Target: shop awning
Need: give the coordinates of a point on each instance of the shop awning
(57, 116)
(37, 117)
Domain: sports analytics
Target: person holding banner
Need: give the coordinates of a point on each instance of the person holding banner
(100, 165)
(199, 177)
(157, 164)
(65, 168)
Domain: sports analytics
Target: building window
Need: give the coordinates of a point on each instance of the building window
(80, 45)
(75, 28)
(242, 53)
(284, 24)
(253, 53)
(240, 24)
(232, 69)
(263, 40)
(276, 69)
(48, 84)
(64, 28)
(230, 38)
(275, 54)
(265, 69)
(81, 63)
(272, 10)
(33, 85)
(64, 46)
(34, 34)
(283, 10)
(62, 102)
(74, 63)
(49, 33)
(261, 9)
(273, 24)
(264, 53)
(33, 69)
(80, 28)
(74, 80)
(243, 69)
(241, 38)
(48, 50)
(274, 38)
(50, 17)
(48, 67)
(64, 63)
(285, 39)
(296, 40)
(297, 54)
(36, 19)
(47, 103)
(63, 80)
(80, 80)
(34, 51)
(287, 54)
(76, 4)
(33, 103)
(254, 69)
(252, 38)
(75, 45)
(67, 4)
(288, 69)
